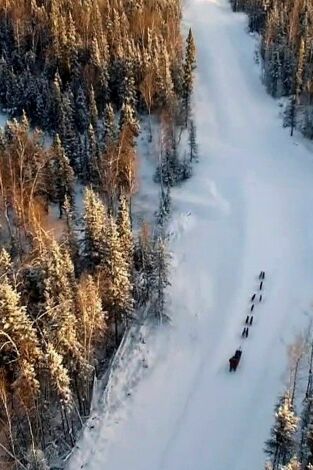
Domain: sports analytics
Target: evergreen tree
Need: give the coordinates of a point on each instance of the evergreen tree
(144, 266)
(189, 67)
(71, 241)
(129, 87)
(63, 175)
(161, 279)
(290, 115)
(91, 158)
(95, 219)
(172, 170)
(36, 460)
(281, 444)
(193, 147)
(94, 116)
(125, 230)
(92, 317)
(164, 207)
(69, 138)
(81, 111)
(118, 293)
(19, 344)
(56, 99)
(59, 374)
(110, 128)
(5, 265)
(129, 120)
(294, 464)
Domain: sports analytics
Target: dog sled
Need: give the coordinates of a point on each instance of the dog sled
(234, 360)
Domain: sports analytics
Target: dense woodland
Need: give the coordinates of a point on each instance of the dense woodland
(286, 29)
(74, 77)
(290, 446)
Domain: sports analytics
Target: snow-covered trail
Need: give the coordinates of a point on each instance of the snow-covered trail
(248, 207)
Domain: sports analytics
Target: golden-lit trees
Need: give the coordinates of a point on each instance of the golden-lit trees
(23, 182)
(91, 316)
(20, 351)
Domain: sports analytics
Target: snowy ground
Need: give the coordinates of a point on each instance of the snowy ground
(248, 207)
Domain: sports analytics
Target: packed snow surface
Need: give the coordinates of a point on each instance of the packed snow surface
(249, 207)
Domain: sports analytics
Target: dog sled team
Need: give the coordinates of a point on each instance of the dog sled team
(235, 359)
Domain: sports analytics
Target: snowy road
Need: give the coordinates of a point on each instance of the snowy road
(251, 208)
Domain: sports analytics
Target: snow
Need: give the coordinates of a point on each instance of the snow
(3, 119)
(146, 200)
(249, 207)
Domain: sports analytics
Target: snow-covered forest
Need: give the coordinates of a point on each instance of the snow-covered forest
(77, 80)
(286, 51)
(147, 177)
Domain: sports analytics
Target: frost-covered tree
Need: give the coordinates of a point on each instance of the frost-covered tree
(36, 460)
(70, 238)
(188, 70)
(60, 379)
(172, 170)
(93, 109)
(6, 266)
(90, 170)
(95, 220)
(160, 279)
(110, 127)
(128, 119)
(60, 326)
(285, 50)
(118, 290)
(290, 114)
(164, 206)
(63, 175)
(192, 141)
(20, 347)
(92, 317)
(294, 464)
(144, 266)
(281, 444)
(81, 111)
(125, 230)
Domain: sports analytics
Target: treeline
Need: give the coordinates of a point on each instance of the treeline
(64, 303)
(68, 65)
(74, 77)
(290, 446)
(286, 29)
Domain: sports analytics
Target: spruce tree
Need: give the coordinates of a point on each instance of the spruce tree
(144, 266)
(91, 157)
(193, 147)
(281, 444)
(128, 119)
(110, 128)
(93, 109)
(92, 317)
(36, 459)
(125, 230)
(63, 175)
(81, 111)
(95, 220)
(60, 327)
(294, 464)
(19, 344)
(59, 375)
(118, 293)
(71, 241)
(161, 279)
(189, 67)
